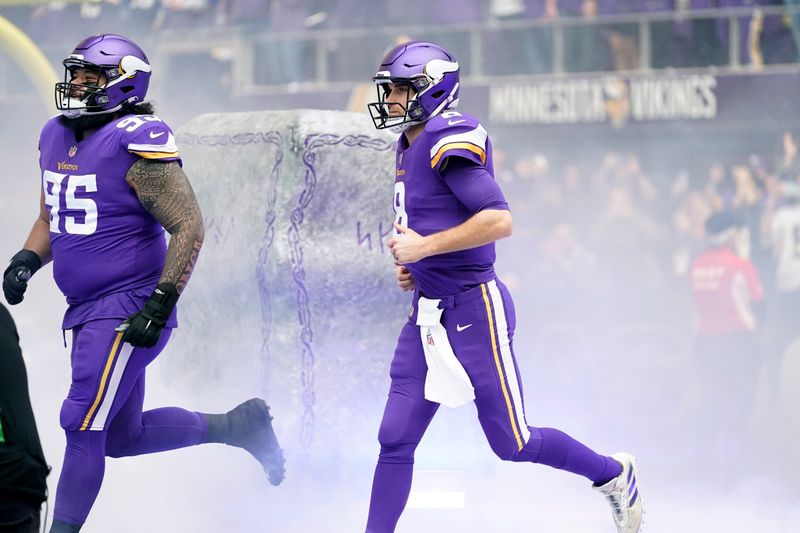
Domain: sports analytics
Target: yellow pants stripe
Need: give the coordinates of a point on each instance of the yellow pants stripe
(103, 380)
(503, 385)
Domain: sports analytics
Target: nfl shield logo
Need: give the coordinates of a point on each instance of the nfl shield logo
(429, 338)
(72, 151)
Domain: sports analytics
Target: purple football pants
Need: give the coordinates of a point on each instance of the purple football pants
(102, 415)
(480, 326)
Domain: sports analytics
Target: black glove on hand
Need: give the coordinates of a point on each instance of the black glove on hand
(143, 329)
(15, 278)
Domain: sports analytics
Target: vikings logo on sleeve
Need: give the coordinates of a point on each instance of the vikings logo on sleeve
(148, 137)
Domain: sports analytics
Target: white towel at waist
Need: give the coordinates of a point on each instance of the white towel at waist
(446, 382)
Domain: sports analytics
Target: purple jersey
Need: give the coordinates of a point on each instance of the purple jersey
(424, 201)
(108, 250)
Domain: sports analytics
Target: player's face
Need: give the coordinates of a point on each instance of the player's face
(87, 77)
(397, 97)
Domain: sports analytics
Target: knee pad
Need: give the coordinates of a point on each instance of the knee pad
(404, 422)
(506, 446)
(505, 450)
(391, 435)
(501, 440)
(72, 415)
(396, 445)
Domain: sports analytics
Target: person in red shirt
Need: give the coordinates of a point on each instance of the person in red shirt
(729, 306)
(727, 289)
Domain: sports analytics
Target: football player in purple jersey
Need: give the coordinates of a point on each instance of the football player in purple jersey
(457, 345)
(112, 182)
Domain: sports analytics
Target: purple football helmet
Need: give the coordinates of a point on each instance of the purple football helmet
(125, 66)
(427, 68)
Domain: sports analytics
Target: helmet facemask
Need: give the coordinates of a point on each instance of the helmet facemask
(412, 111)
(93, 96)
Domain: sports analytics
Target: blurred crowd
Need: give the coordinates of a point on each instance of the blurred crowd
(618, 230)
(647, 221)
(594, 36)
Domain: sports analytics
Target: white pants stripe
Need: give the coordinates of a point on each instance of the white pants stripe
(99, 422)
(507, 360)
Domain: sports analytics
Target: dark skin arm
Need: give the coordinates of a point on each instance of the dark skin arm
(39, 237)
(164, 190)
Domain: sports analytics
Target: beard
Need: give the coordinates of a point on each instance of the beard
(86, 122)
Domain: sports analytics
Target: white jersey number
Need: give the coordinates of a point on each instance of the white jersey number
(52, 185)
(401, 217)
(133, 122)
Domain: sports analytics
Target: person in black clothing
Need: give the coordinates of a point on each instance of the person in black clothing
(23, 470)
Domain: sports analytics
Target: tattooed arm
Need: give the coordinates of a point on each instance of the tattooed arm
(165, 192)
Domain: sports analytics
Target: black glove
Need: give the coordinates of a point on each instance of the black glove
(15, 278)
(143, 329)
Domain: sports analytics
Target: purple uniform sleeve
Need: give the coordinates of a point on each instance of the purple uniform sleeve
(454, 134)
(148, 137)
(472, 184)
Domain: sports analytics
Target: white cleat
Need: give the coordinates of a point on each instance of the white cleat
(622, 493)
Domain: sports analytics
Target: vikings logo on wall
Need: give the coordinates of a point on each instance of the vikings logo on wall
(608, 99)
(618, 102)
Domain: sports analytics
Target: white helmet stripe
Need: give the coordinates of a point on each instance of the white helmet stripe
(446, 101)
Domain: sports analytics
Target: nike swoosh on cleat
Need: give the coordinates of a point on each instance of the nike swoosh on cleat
(459, 327)
(157, 135)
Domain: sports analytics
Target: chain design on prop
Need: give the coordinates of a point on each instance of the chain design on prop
(311, 145)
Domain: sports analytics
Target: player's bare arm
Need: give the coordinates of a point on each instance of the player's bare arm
(164, 190)
(39, 238)
(482, 228)
(26, 262)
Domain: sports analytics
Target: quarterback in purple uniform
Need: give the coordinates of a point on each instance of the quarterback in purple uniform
(112, 182)
(457, 345)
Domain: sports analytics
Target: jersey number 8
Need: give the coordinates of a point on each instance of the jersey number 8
(401, 217)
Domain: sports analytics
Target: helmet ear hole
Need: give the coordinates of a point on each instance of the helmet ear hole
(420, 84)
(438, 94)
(127, 89)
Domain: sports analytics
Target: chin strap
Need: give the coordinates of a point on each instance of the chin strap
(401, 128)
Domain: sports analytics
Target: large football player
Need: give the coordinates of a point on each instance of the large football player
(112, 182)
(457, 344)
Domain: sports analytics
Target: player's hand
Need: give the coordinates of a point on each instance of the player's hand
(15, 278)
(404, 278)
(408, 247)
(143, 329)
